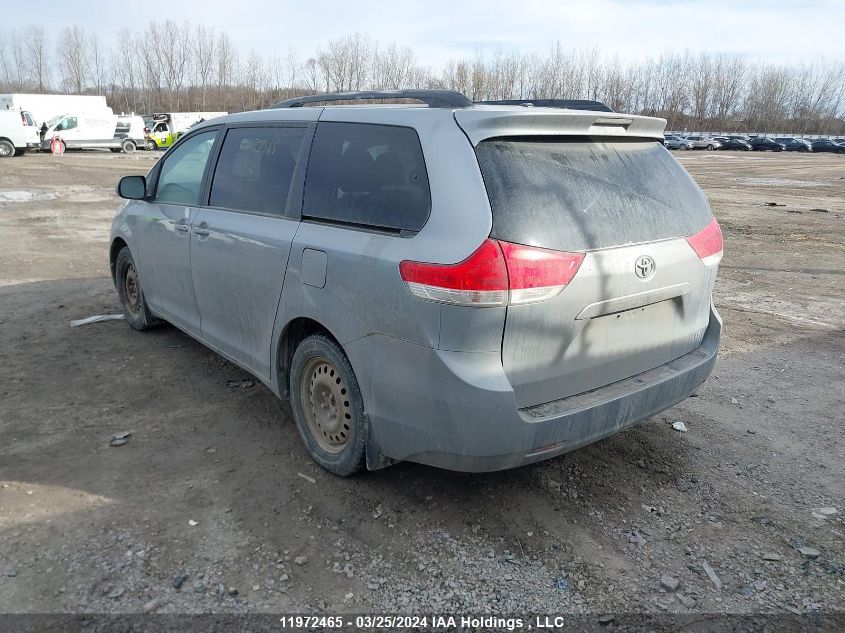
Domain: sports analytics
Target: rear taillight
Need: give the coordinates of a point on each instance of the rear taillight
(707, 243)
(538, 274)
(496, 274)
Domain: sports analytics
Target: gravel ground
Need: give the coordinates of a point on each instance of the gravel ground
(205, 507)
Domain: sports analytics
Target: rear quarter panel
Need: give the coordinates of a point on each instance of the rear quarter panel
(364, 293)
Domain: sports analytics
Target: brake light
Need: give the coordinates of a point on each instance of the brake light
(708, 243)
(481, 279)
(496, 274)
(538, 274)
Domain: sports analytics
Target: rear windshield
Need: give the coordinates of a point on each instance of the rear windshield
(581, 194)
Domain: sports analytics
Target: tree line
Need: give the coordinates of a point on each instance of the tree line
(182, 67)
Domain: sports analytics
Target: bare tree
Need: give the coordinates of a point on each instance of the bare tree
(168, 67)
(729, 79)
(72, 53)
(173, 55)
(19, 64)
(392, 67)
(203, 49)
(125, 68)
(96, 63)
(701, 89)
(345, 62)
(5, 67)
(312, 74)
(151, 71)
(38, 57)
(227, 70)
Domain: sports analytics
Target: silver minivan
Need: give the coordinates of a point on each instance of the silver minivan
(474, 287)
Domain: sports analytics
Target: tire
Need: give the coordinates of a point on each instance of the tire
(335, 432)
(151, 145)
(710, 148)
(129, 292)
(802, 150)
(128, 146)
(7, 150)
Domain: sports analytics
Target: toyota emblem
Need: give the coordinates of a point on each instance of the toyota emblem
(644, 267)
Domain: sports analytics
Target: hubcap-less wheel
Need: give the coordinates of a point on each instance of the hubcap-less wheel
(131, 291)
(325, 403)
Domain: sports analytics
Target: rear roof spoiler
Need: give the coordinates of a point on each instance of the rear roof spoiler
(483, 123)
(569, 104)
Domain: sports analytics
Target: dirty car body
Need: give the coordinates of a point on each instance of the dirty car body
(507, 284)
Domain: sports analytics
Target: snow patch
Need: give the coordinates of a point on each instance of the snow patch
(22, 195)
(779, 182)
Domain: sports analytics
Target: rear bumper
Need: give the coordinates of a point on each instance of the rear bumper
(456, 410)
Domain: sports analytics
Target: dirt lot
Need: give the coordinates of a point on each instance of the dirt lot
(205, 509)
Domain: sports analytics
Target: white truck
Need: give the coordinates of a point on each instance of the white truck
(131, 126)
(165, 128)
(45, 107)
(95, 130)
(17, 133)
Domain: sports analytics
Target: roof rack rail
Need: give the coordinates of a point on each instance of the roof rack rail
(432, 98)
(571, 104)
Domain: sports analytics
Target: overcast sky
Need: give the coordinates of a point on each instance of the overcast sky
(780, 31)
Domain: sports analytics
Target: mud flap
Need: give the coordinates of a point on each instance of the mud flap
(376, 460)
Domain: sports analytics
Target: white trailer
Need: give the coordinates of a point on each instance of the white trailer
(89, 130)
(45, 107)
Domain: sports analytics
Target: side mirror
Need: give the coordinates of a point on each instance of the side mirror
(132, 187)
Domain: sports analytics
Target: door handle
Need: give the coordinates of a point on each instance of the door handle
(182, 227)
(201, 232)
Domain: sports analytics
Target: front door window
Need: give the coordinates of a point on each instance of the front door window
(181, 174)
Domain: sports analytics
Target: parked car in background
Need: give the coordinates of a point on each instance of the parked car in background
(730, 143)
(826, 145)
(423, 283)
(130, 127)
(673, 141)
(92, 130)
(703, 142)
(765, 144)
(791, 144)
(45, 107)
(17, 133)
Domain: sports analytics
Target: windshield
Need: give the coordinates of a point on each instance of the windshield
(578, 193)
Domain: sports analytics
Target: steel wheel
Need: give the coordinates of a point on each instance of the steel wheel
(131, 291)
(325, 403)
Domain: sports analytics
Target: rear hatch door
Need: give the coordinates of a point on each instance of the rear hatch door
(641, 297)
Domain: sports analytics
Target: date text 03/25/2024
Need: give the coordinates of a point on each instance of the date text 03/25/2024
(392, 622)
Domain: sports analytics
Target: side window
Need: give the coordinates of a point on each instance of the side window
(372, 175)
(68, 123)
(181, 173)
(255, 168)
